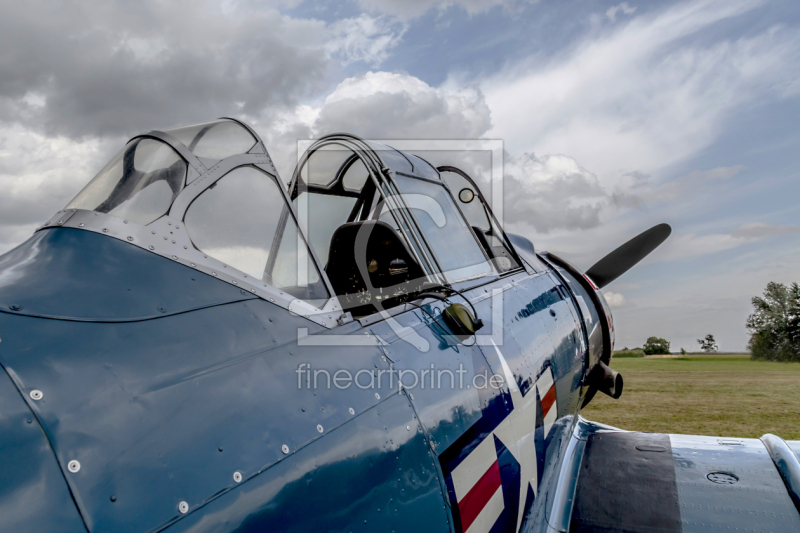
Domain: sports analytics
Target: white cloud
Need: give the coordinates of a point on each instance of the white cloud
(400, 106)
(649, 94)
(623, 8)
(408, 9)
(364, 38)
(39, 175)
(615, 299)
(552, 192)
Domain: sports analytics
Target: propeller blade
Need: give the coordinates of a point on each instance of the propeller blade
(626, 256)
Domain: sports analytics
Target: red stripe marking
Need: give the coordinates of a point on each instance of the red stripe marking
(479, 495)
(548, 400)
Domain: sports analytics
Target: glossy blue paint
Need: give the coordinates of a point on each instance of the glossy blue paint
(73, 274)
(376, 472)
(33, 493)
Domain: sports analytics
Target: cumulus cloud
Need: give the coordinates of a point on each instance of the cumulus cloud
(121, 68)
(552, 192)
(401, 106)
(40, 175)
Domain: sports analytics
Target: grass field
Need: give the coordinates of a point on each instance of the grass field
(727, 395)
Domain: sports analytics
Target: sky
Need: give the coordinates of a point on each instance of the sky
(614, 117)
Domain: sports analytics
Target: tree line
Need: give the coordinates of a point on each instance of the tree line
(774, 328)
(774, 325)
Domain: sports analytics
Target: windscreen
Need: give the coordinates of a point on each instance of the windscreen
(139, 184)
(449, 236)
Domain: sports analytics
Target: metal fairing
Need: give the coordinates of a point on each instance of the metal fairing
(33, 494)
(375, 472)
(79, 275)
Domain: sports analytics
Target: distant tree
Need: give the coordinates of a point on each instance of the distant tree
(709, 344)
(656, 346)
(683, 352)
(775, 323)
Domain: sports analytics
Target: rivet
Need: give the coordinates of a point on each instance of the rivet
(352, 411)
(213, 273)
(174, 256)
(253, 291)
(81, 224)
(36, 395)
(73, 466)
(165, 237)
(234, 282)
(377, 396)
(105, 230)
(15, 307)
(125, 221)
(153, 232)
(113, 498)
(408, 428)
(323, 323)
(173, 241)
(205, 256)
(130, 238)
(237, 477)
(169, 223)
(60, 222)
(185, 247)
(152, 247)
(272, 299)
(285, 449)
(319, 428)
(192, 264)
(177, 226)
(183, 507)
(410, 395)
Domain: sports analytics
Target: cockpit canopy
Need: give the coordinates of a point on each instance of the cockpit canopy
(209, 197)
(139, 184)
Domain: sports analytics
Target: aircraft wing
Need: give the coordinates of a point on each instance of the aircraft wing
(620, 481)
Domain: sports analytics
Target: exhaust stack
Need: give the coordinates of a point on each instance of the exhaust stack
(606, 380)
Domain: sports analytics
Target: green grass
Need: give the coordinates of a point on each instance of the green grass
(727, 395)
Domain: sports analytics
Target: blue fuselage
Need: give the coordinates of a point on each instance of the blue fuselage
(190, 404)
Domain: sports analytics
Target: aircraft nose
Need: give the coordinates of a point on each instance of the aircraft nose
(33, 493)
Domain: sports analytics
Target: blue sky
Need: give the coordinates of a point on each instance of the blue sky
(615, 116)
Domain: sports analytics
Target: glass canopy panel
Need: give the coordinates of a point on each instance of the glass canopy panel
(139, 184)
(244, 221)
(323, 166)
(215, 140)
(451, 240)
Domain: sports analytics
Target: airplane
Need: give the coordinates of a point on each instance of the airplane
(192, 345)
